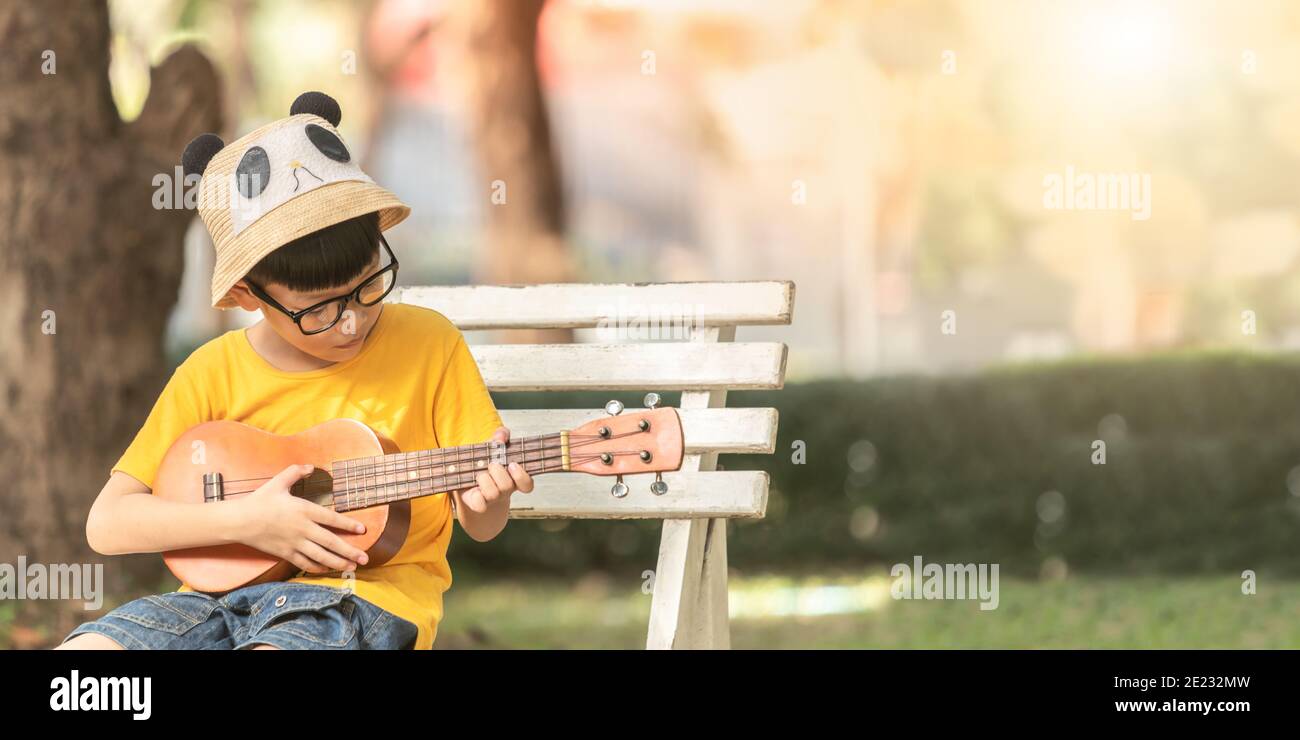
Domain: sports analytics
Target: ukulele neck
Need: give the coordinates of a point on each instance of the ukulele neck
(362, 482)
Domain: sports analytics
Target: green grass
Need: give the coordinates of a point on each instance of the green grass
(854, 611)
(771, 612)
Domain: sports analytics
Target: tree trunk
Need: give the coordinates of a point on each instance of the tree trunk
(525, 211)
(89, 268)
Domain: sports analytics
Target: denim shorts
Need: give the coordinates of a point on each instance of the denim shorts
(290, 616)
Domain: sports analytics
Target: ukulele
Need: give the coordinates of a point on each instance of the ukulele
(364, 474)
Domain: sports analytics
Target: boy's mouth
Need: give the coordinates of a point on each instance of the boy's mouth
(354, 342)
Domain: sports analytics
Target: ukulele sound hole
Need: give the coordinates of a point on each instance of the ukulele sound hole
(317, 488)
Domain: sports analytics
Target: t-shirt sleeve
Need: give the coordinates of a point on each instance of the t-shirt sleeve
(178, 408)
(463, 412)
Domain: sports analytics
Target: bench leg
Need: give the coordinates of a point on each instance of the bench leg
(689, 609)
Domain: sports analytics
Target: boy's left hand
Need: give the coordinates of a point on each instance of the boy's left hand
(497, 482)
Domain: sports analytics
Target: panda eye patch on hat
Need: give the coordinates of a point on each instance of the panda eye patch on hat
(285, 180)
(284, 164)
(254, 170)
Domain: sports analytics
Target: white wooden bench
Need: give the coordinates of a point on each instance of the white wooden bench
(689, 606)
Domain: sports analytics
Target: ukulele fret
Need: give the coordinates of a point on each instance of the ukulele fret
(347, 484)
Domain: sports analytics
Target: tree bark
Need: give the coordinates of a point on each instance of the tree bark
(512, 134)
(89, 268)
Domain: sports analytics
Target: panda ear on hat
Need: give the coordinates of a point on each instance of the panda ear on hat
(199, 152)
(320, 104)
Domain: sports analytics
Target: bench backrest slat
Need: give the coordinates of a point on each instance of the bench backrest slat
(738, 431)
(578, 305)
(729, 494)
(645, 366)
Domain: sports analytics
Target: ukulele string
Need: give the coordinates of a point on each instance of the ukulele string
(417, 464)
(432, 457)
(435, 488)
(397, 496)
(406, 466)
(554, 452)
(327, 486)
(348, 491)
(446, 454)
(324, 486)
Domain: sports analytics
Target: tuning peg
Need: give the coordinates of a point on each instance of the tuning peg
(659, 488)
(652, 400)
(620, 488)
(614, 407)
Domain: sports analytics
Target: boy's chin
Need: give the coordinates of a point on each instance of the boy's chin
(334, 352)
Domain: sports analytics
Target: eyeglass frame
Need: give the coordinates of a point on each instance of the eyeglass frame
(354, 295)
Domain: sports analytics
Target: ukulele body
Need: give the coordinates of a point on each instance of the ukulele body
(246, 457)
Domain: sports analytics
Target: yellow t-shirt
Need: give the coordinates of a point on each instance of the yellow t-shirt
(414, 381)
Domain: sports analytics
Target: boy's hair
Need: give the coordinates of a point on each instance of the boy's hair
(328, 258)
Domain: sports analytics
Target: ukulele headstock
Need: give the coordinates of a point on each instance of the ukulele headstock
(646, 440)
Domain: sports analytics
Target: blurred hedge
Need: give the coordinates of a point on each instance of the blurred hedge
(1198, 450)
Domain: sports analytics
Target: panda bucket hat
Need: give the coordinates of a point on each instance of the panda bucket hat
(283, 181)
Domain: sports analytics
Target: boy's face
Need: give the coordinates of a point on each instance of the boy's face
(338, 343)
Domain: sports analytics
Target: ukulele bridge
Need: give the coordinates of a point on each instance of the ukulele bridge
(213, 487)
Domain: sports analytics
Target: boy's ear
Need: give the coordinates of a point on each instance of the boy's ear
(319, 104)
(199, 152)
(246, 300)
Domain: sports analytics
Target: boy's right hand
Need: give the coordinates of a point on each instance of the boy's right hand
(293, 529)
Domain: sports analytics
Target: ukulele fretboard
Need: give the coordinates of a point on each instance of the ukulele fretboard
(384, 479)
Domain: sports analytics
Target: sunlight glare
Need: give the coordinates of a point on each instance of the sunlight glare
(1127, 41)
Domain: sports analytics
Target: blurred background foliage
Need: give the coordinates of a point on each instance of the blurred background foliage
(918, 135)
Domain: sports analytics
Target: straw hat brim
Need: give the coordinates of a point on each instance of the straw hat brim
(324, 206)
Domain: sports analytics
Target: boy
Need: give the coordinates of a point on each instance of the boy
(298, 232)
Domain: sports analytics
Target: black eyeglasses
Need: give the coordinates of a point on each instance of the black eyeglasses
(321, 316)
